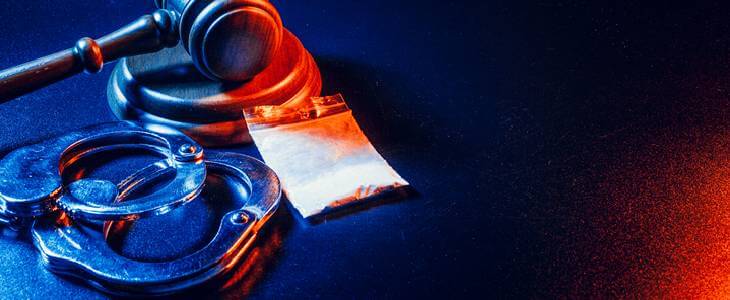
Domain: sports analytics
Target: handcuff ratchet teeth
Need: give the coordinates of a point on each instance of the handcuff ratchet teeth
(32, 182)
(98, 264)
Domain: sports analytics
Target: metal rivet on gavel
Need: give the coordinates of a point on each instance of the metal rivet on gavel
(228, 40)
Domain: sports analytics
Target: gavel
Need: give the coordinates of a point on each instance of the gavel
(228, 40)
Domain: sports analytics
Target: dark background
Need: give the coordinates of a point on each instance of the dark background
(559, 148)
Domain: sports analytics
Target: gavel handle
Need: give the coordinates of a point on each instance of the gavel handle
(147, 34)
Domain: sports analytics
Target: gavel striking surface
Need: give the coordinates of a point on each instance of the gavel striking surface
(166, 88)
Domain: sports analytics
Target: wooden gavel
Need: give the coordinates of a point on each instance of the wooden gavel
(228, 40)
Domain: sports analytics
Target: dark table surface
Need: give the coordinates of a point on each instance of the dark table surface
(560, 148)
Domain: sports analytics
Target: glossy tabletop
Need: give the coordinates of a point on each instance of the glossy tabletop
(556, 149)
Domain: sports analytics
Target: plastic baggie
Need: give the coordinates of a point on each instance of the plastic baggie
(320, 154)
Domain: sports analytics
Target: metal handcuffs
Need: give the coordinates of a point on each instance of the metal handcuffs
(68, 247)
(31, 178)
(103, 268)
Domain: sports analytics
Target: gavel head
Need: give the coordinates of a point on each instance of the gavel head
(228, 40)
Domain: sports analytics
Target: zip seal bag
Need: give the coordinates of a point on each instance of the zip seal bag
(320, 154)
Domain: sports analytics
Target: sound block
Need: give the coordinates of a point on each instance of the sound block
(165, 88)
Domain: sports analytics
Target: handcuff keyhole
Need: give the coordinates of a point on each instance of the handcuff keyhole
(187, 149)
(240, 218)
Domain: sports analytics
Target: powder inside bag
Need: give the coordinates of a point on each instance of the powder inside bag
(320, 154)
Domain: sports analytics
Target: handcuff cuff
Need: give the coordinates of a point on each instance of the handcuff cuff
(34, 194)
(32, 177)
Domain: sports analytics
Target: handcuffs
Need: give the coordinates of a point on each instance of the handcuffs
(35, 193)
